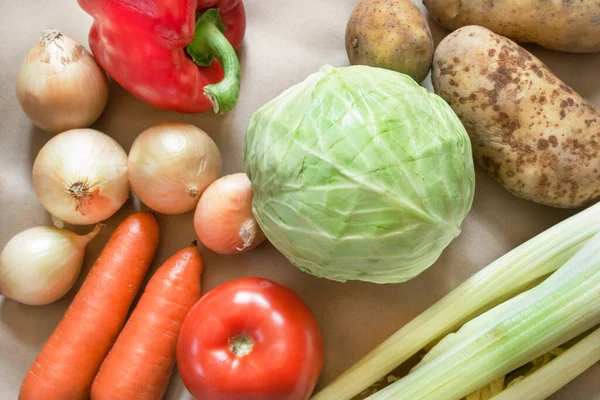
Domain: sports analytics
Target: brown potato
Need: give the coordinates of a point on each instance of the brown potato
(529, 130)
(391, 34)
(564, 25)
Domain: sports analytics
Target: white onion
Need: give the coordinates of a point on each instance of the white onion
(80, 176)
(41, 264)
(170, 165)
(223, 219)
(60, 86)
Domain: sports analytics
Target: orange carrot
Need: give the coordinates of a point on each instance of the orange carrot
(68, 363)
(141, 361)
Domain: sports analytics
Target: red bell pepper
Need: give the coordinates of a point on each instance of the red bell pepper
(173, 54)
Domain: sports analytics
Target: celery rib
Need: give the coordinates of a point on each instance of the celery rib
(508, 336)
(557, 373)
(507, 276)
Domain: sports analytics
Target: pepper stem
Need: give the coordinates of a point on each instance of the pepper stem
(210, 42)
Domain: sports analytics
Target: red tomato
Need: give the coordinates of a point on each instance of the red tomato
(250, 339)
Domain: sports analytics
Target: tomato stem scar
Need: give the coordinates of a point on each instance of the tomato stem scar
(241, 345)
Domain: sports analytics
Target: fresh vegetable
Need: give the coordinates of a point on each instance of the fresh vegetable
(40, 265)
(250, 338)
(60, 86)
(510, 379)
(359, 173)
(530, 131)
(560, 371)
(140, 363)
(170, 165)
(565, 25)
(391, 34)
(563, 306)
(80, 176)
(223, 220)
(146, 50)
(69, 361)
(509, 275)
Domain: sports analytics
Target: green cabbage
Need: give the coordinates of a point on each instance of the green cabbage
(359, 173)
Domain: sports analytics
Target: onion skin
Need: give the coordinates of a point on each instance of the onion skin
(60, 86)
(171, 164)
(80, 176)
(223, 219)
(40, 265)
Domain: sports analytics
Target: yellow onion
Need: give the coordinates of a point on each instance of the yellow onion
(40, 265)
(170, 165)
(80, 176)
(223, 219)
(60, 86)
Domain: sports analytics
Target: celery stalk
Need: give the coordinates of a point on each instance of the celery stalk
(509, 335)
(508, 275)
(558, 372)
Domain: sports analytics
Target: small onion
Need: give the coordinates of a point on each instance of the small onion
(223, 220)
(40, 265)
(60, 86)
(170, 165)
(80, 176)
